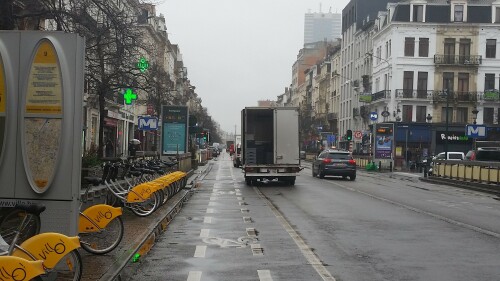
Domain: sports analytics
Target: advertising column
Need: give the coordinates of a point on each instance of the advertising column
(384, 139)
(174, 130)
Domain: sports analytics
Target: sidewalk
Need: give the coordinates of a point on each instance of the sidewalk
(139, 235)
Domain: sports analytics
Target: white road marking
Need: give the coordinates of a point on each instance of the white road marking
(264, 275)
(200, 251)
(207, 220)
(204, 233)
(194, 276)
(210, 211)
(212, 203)
(304, 248)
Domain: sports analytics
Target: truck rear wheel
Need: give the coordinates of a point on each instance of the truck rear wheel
(248, 181)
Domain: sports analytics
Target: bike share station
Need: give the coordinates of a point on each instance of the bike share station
(41, 103)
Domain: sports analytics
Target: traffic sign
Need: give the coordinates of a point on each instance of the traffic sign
(358, 134)
(148, 123)
(475, 131)
(373, 116)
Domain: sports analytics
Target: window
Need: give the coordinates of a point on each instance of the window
(389, 55)
(387, 49)
(464, 51)
(491, 48)
(488, 115)
(462, 114)
(449, 50)
(459, 13)
(422, 85)
(409, 46)
(463, 82)
(407, 84)
(443, 114)
(418, 13)
(497, 14)
(489, 81)
(423, 47)
(407, 113)
(448, 81)
(421, 113)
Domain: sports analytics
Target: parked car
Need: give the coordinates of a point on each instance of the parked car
(490, 154)
(451, 156)
(333, 162)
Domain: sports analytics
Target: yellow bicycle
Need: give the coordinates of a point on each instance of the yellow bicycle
(59, 253)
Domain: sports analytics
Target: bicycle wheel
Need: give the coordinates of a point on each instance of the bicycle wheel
(104, 240)
(11, 222)
(145, 208)
(69, 268)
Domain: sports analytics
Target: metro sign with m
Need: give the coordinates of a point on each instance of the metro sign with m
(148, 123)
(475, 131)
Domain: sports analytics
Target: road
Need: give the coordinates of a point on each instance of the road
(383, 226)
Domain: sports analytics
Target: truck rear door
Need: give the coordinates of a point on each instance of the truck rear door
(286, 136)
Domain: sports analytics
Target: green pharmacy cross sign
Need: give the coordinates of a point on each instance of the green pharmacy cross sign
(143, 64)
(129, 96)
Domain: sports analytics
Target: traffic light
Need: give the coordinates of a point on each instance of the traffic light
(349, 135)
(205, 136)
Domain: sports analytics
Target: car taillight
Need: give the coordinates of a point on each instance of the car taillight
(352, 162)
(327, 161)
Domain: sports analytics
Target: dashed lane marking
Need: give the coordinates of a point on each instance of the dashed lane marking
(210, 211)
(207, 220)
(204, 233)
(310, 256)
(264, 275)
(200, 251)
(194, 276)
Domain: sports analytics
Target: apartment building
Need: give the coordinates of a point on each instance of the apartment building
(436, 69)
(357, 18)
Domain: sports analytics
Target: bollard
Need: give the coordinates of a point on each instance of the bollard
(380, 165)
(390, 166)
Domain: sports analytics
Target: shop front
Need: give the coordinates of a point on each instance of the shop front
(454, 139)
(412, 143)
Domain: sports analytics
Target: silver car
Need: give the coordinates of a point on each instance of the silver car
(334, 163)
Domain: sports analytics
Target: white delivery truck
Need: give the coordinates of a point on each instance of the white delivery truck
(270, 144)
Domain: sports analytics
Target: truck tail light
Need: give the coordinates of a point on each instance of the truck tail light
(327, 161)
(249, 169)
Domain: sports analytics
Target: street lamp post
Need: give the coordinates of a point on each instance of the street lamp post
(475, 112)
(447, 123)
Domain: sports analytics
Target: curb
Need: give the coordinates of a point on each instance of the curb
(476, 186)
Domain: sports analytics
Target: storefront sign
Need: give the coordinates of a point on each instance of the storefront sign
(453, 137)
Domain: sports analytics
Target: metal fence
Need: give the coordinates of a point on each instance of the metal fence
(473, 171)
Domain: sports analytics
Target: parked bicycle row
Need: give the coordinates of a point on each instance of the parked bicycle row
(141, 186)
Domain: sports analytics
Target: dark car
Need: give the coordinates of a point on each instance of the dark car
(490, 154)
(334, 163)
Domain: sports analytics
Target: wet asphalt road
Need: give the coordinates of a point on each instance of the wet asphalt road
(380, 227)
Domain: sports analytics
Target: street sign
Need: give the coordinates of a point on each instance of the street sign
(475, 131)
(385, 113)
(358, 135)
(373, 116)
(148, 123)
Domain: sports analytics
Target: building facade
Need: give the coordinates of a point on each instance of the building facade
(322, 27)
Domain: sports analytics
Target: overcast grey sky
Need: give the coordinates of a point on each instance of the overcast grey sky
(239, 51)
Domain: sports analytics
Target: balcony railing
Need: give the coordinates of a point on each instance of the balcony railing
(384, 94)
(489, 95)
(440, 96)
(458, 60)
(413, 94)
